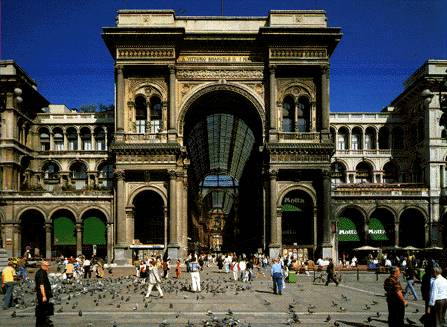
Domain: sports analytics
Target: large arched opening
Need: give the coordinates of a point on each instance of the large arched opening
(64, 234)
(350, 231)
(149, 221)
(298, 223)
(32, 232)
(412, 228)
(381, 231)
(222, 132)
(94, 233)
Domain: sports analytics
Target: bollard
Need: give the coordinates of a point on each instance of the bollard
(358, 276)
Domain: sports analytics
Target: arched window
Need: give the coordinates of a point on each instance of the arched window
(50, 171)
(105, 175)
(342, 139)
(398, 137)
(303, 114)
(100, 139)
(384, 138)
(72, 137)
(44, 139)
(370, 138)
(78, 172)
(140, 114)
(156, 114)
(58, 138)
(363, 173)
(356, 139)
(390, 173)
(288, 114)
(338, 172)
(86, 138)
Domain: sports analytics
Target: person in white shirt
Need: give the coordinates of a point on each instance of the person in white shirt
(438, 297)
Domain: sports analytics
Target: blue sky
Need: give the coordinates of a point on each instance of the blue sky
(58, 43)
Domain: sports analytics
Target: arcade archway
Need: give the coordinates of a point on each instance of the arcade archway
(222, 133)
(94, 234)
(32, 232)
(381, 231)
(350, 231)
(149, 220)
(64, 234)
(412, 228)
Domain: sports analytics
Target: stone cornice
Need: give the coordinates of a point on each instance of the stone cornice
(146, 147)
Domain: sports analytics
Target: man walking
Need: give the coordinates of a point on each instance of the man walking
(395, 299)
(8, 277)
(438, 297)
(277, 275)
(330, 270)
(43, 292)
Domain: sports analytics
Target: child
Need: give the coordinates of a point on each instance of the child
(178, 269)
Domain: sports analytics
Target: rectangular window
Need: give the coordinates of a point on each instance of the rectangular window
(100, 145)
(155, 126)
(59, 146)
(72, 145)
(87, 145)
(141, 126)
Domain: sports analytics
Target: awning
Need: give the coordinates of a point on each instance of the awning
(64, 231)
(287, 207)
(347, 230)
(94, 231)
(376, 230)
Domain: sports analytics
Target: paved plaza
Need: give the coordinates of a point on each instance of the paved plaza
(119, 300)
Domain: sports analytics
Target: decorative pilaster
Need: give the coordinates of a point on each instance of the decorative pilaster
(119, 99)
(16, 239)
(173, 245)
(78, 238)
(172, 110)
(275, 230)
(326, 213)
(273, 111)
(48, 237)
(120, 207)
(130, 225)
(109, 242)
(325, 98)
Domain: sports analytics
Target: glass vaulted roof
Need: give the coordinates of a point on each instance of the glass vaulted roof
(219, 146)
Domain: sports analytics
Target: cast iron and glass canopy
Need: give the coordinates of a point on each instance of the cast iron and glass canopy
(219, 146)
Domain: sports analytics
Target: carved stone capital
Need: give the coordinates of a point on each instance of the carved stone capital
(119, 174)
(273, 173)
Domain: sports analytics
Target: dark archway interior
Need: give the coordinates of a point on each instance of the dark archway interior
(378, 237)
(149, 218)
(412, 229)
(223, 132)
(297, 219)
(346, 246)
(64, 233)
(32, 225)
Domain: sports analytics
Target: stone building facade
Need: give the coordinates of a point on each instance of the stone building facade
(221, 139)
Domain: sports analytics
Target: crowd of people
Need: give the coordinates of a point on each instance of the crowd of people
(244, 268)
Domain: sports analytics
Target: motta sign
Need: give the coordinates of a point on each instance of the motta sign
(293, 200)
(347, 232)
(376, 232)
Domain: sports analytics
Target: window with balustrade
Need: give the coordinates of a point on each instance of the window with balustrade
(58, 138)
(156, 114)
(140, 114)
(44, 137)
(72, 138)
(86, 139)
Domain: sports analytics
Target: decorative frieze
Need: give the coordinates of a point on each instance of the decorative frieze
(299, 53)
(216, 74)
(145, 53)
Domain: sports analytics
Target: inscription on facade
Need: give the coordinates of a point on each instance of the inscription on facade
(214, 59)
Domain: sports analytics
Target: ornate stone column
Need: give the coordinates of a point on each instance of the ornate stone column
(173, 245)
(78, 238)
(325, 98)
(326, 213)
(48, 240)
(17, 249)
(109, 242)
(120, 101)
(51, 141)
(184, 218)
(65, 140)
(275, 227)
(121, 247)
(172, 109)
(396, 234)
(273, 111)
(130, 225)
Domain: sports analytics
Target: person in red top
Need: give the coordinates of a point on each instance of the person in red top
(395, 299)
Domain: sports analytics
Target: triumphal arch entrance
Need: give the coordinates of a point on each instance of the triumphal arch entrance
(222, 134)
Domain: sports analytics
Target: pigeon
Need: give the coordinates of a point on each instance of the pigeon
(310, 311)
(336, 323)
(61, 309)
(328, 318)
(209, 313)
(341, 309)
(115, 324)
(80, 313)
(378, 314)
(369, 319)
(14, 314)
(416, 310)
(374, 302)
(171, 305)
(366, 307)
(230, 312)
(267, 302)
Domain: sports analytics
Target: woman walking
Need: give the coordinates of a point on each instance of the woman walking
(153, 278)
